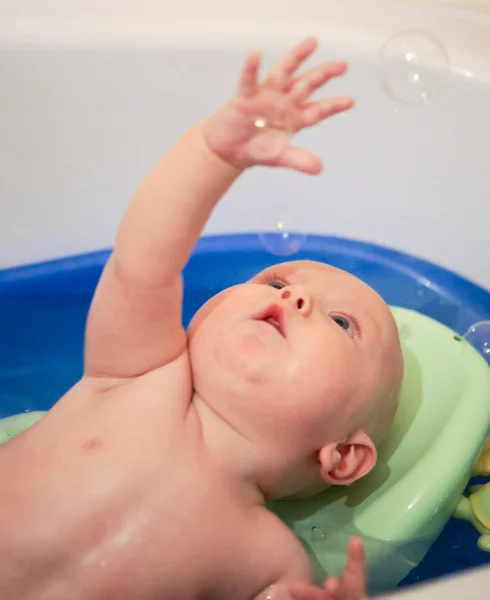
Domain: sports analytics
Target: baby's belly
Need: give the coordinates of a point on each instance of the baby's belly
(137, 520)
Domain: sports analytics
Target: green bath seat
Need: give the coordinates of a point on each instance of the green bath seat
(12, 426)
(401, 507)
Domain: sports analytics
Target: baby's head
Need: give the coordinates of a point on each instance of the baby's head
(304, 363)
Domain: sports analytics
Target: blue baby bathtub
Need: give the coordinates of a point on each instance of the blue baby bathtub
(43, 309)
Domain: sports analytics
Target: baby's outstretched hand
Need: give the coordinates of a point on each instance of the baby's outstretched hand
(352, 585)
(253, 128)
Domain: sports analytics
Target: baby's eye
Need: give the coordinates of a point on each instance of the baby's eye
(278, 285)
(345, 323)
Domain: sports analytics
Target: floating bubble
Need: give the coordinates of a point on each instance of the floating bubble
(478, 335)
(273, 133)
(283, 238)
(413, 67)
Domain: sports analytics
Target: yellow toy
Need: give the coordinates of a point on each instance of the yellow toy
(482, 466)
(474, 508)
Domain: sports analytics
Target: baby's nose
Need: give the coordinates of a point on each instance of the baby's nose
(298, 297)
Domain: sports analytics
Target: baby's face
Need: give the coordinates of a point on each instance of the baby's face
(298, 355)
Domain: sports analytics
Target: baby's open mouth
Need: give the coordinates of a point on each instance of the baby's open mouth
(274, 316)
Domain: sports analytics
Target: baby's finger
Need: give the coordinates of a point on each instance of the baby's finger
(318, 111)
(304, 86)
(333, 589)
(279, 77)
(354, 578)
(301, 160)
(305, 591)
(248, 81)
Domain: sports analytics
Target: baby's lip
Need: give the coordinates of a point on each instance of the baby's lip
(274, 315)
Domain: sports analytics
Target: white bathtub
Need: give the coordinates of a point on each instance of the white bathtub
(92, 94)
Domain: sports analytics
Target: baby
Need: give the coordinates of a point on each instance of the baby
(147, 480)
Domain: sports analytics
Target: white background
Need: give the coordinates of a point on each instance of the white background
(92, 93)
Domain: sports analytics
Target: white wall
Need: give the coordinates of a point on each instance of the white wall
(473, 585)
(93, 93)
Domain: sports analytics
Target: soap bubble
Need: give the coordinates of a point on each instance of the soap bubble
(413, 67)
(478, 335)
(273, 133)
(283, 238)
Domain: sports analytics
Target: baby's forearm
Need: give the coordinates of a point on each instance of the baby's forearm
(169, 211)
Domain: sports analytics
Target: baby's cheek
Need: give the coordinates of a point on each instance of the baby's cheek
(197, 320)
(333, 370)
(245, 357)
(249, 345)
(206, 310)
(339, 358)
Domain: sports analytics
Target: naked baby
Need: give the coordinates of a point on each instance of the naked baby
(147, 480)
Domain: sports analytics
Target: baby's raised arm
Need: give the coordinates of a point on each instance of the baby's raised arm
(134, 323)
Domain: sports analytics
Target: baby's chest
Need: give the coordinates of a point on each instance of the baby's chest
(209, 547)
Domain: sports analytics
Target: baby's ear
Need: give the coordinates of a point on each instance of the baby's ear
(345, 463)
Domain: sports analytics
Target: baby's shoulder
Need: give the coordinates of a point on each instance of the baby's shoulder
(169, 386)
(277, 536)
(277, 548)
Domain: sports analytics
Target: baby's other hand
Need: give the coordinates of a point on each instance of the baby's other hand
(253, 127)
(352, 585)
